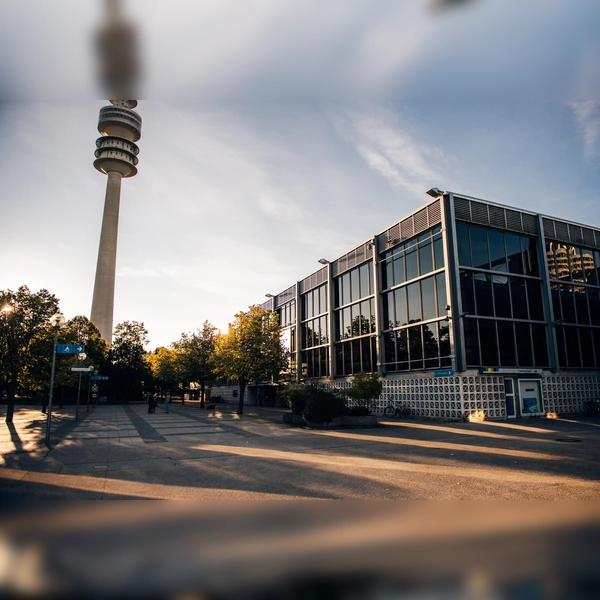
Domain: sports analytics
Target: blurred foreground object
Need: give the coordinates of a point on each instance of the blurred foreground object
(304, 550)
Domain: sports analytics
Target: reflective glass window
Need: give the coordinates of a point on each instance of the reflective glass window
(398, 266)
(356, 364)
(596, 338)
(372, 313)
(430, 345)
(425, 259)
(519, 298)
(552, 271)
(501, 296)
(534, 297)
(414, 302)
(400, 304)
(588, 265)
(364, 280)
(387, 275)
(323, 299)
(581, 305)
(513, 253)
(594, 303)
(577, 273)
(389, 345)
(463, 243)
(497, 251)
(388, 311)
(479, 248)
(402, 346)
(530, 262)
(365, 312)
(572, 343)
(347, 358)
(471, 342)
(366, 363)
(347, 319)
(346, 288)
(483, 294)
(523, 339)
(438, 252)
(440, 284)
(560, 345)
(353, 285)
(556, 308)
(415, 346)
(428, 299)
(488, 343)
(506, 344)
(567, 303)
(587, 347)
(467, 292)
(444, 342)
(412, 268)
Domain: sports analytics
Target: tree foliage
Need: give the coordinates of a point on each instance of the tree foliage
(366, 387)
(129, 366)
(251, 350)
(24, 317)
(165, 368)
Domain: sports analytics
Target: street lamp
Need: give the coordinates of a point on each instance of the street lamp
(57, 321)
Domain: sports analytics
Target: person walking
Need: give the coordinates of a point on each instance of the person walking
(167, 400)
(151, 403)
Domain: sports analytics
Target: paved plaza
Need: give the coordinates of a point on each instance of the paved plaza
(122, 451)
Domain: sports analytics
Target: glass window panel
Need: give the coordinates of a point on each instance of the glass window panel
(483, 294)
(534, 298)
(412, 268)
(425, 259)
(428, 299)
(438, 252)
(387, 275)
(365, 318)
(513, 253)
(464, 246)
(402, 346)
(556, 310)
(339, 325)
(568, 304)
(440, 284)
(339, 359)
(576, 264)
(594, 302)
(596, 338)
(552, 272)
(347, 322)
(323, 299)
(592, 276)
(583, 315)
(530, 261)
(400, 304)
(562, 262)
(347, 358)
(560, 344)
(366, 363)
(388, 311)
(346, 288)
(414, 302)
(430, 345)
(501, 296)
(488, 343)
(444, 339)
(497, 251)
(479, 248)
(519, 298)
(572, 343)
(325, 362)
(371, 280)
(540, 345)
(389, 341)
(364, 280)
(356, 364)
(587, 347)
(353, 285)
(355, 320)
(325, 329)
(399, 270)
(415, 347)
(372, 313)
(506, 344)
(471, 342)
(523, 339)
(587, 256)
(467, 292)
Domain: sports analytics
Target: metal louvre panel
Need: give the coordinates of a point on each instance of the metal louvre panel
(549, 228)
(434, 211)
(462, 209)
(575, 234)
(562, 231)
(356, 257)
(360, 254)
(529, 224)
(497, 217)
(597, 235)
(381, 242)
(420, 221)
(321, 276)
(351, 259)
(513, 220)
(406, 229)
(588, 237)
(285, 296)
(479, 213)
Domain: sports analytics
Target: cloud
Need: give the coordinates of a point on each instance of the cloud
(587, 114)
(385, 144)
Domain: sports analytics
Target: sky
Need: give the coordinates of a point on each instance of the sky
(278, 132)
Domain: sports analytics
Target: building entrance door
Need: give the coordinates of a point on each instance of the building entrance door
(509, 395)
(530, 391)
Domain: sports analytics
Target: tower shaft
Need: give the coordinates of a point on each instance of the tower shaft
(104, 285)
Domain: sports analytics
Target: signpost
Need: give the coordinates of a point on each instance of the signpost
(96, 378)
(70, 348)
(80, 370)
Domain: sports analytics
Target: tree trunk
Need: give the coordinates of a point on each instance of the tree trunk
(242, 384)
(10, 400)
(202, 394)
(182, 394)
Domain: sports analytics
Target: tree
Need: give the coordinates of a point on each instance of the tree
(196, 355)
(24, 316)
(164, 367)
(129, 366)
(366, 387)
(251, 350)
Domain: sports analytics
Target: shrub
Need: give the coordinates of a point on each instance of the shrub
(322, 405)
(365, 389)
(295, 397)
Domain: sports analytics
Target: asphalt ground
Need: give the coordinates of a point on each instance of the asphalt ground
(123, 452)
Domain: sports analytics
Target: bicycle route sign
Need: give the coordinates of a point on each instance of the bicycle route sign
(69, 348)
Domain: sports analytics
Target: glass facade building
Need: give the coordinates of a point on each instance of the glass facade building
(463, 305)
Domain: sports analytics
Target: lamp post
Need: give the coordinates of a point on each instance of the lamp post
(81, 356)
(57, 321)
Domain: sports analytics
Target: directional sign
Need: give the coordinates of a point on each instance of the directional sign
(99, 377)
(69, 348)
(95, 388)
(80, 369)
(443, 373)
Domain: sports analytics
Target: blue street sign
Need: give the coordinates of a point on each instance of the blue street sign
(99, 377)
(443, 373)
(69, 349)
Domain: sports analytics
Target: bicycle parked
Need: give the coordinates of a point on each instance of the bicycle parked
(397, 409)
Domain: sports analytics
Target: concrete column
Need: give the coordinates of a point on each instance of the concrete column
(104, 286)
